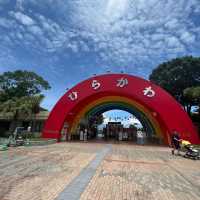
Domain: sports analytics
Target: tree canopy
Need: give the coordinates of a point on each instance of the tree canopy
(96, 120)
(177, 75)
(192, 94)
(21, 107)
(20, 83)
(20, 93)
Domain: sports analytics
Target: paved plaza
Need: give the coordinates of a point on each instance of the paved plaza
(89, 171)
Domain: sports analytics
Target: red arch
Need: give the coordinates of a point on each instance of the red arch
(166, 111)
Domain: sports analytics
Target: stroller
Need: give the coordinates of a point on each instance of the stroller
(190, 151)
(17, 138)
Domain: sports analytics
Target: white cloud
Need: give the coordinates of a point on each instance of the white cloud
(120, 32)
(6, 23)
(137, 27)
(36, 30)
(22, 18)
(125, 119)
(106, 119)
(19, 5)
(187, 37)
(129, 35)
(172, 41)
(19, 35)
(133, 121)
(73, 46)
(172, 24)
(115, 9)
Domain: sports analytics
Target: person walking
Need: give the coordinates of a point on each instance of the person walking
(176, 141)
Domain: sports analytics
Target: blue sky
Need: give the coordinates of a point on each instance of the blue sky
(120, 116)
(67, 41)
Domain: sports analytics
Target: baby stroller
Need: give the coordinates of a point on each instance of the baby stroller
(190, 151)
(17, 137)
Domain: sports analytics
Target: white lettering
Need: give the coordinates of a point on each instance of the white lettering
(149, 92)
(95, 84)
(73, 96)
(122, 82)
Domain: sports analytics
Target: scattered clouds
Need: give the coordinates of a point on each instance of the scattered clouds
(117, 29)
(22, 18)
(121, 116)
(137, 28)
(188, 38)
(6, 23)
(130, 35)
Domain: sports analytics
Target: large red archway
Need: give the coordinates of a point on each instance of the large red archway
(163, 112)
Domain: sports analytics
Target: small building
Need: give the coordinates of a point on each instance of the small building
(36, 121)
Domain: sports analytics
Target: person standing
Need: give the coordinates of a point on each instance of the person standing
(81, 135)
(140, 137)
(85, 134)
(175, 141)
(28, 132)
(29, 129)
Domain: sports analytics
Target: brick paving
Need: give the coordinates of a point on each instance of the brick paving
(41, 173)
(140, 173)
(126, 172)
(76, 187)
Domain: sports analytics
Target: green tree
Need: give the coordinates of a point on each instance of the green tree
(83, 123)
(96, 120)
(21, 107)
(133, 126)
(177, 75)
(20, 95)
(20, 83)
(192, 94)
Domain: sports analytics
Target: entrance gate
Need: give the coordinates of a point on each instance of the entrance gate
(131, 93)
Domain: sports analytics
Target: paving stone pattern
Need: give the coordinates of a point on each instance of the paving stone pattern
(74, 190)
(41, 173)
(144, 173)
(92, 171)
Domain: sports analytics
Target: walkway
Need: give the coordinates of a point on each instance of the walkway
(74, 190)
(89, 171)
